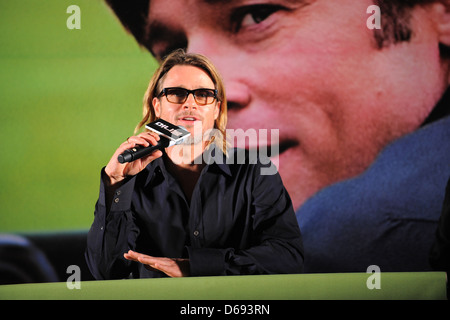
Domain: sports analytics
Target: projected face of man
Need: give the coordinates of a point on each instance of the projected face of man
(312, 70)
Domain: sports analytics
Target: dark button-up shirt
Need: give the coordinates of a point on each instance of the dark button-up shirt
(238, 221)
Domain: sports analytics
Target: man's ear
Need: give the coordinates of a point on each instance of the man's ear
(441, 15)
(217, 110)
(156, 107)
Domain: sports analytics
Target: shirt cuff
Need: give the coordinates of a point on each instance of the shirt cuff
(206, 261)
(121, 199)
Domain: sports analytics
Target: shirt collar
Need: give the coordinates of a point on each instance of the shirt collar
(441, 110)
(214, 156)
(213, 159)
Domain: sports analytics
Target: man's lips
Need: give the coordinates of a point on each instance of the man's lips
(188, 118)
(274, 150)
(287, 144)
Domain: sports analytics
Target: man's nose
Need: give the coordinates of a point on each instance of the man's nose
(190, 102)
(238, 95)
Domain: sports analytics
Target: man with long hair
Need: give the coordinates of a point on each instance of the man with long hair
(159, 216)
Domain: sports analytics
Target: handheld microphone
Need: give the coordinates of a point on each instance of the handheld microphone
(169, 135)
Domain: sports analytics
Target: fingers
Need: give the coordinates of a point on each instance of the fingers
(171, 267)
(117, 171)
(143, 139)
(142, 258)
(131, 255)
(152, 262)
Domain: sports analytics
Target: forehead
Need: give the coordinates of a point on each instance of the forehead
(187, 76)
(173, 11)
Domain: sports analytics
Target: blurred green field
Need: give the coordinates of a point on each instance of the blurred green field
(68, 98)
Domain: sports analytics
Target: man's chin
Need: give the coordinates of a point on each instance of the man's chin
(192, 140)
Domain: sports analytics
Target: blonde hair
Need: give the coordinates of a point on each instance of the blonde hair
(180, 57)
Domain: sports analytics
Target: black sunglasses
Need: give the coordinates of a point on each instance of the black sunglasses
(179, 95)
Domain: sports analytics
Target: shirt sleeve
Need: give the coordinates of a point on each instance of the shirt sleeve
(277, 243)
(112, 233)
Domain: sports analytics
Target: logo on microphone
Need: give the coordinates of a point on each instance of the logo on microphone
(172, 130)
(168, 130)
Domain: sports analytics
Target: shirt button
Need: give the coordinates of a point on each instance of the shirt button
(196, 233)
(118, 192)
(116, 200)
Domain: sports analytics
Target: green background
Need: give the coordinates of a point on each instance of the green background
(68, 98)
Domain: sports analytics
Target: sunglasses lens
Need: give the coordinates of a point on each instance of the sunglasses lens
(179, 95)
(176, 95)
